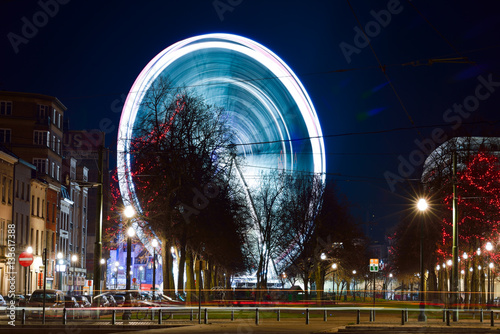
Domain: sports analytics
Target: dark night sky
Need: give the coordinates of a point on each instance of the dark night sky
(88, 53)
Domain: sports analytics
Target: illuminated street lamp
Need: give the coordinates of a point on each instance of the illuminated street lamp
(74, 258)
(354, 287)
(422, 207)
(334, 268)
(60, 268)
(154, 243)
(489, 248)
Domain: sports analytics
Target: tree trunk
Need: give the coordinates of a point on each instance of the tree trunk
(190, 287)
(206, 281)
(167, 266)
(181, 263)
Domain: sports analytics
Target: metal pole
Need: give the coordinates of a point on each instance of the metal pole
(199, 291)
(422, 316)
(25, 280)
(154, 272)
(127, 315)
(98, 224)
(44, 282)
(454, 269)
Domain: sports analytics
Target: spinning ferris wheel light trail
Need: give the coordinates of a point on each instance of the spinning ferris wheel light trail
(264, 98)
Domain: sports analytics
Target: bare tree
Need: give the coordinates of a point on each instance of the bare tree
(181, 158)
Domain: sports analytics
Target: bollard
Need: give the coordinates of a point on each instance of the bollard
(23, 317)
(206, 317)
(64, 316)
(113, 318)
(278, 315)
(447, 317)
(160, 317)
(492, 319)
(371, 315)
(358, 316)
(257, 316)
(191, 315)
(325, 316)
(307, 316)
(481, 316)
(402, 317)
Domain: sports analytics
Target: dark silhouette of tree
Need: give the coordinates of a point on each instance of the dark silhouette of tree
(181, 158)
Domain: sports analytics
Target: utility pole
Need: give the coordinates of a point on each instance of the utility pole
(98, 224)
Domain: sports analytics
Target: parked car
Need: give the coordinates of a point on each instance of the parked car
(19, 300)
(2, 301)
(83, 301)
(54, 303)
(119, 299)
(73, 306)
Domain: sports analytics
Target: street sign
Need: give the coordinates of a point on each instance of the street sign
(25, 259)
(374, 265)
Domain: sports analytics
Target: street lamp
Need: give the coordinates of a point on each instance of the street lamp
(354, 287)
(74, 258)
(422, 207)
(489, 248)
(334, 268)
(129, 213)
(27, 274)
(103, 273)
(140, 274)
(60, 268)
(154, 243)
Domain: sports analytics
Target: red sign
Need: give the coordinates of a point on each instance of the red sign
(25, 259)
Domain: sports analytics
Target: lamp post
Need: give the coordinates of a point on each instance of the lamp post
(140, 274)
(103, 273)
(154, 243)
(60, 268)
(27, 278)
(422, 207)
(489, 248)
(129, 213)
(74, 258)
(354, 287)
(334, 268)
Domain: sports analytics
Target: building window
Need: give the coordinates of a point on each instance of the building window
(9, 194)
(36, 244)
(32, 206)
(6, 108)
(2, 232)
(41, 138)
(54, 114)
(58, 173)
(53, 170)
(4, 186)
(43, 111)
(59, 121)
(42, 165)
(4, 135)
(58, 146)
(21, 236)
(22, 190)
(38, 206)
